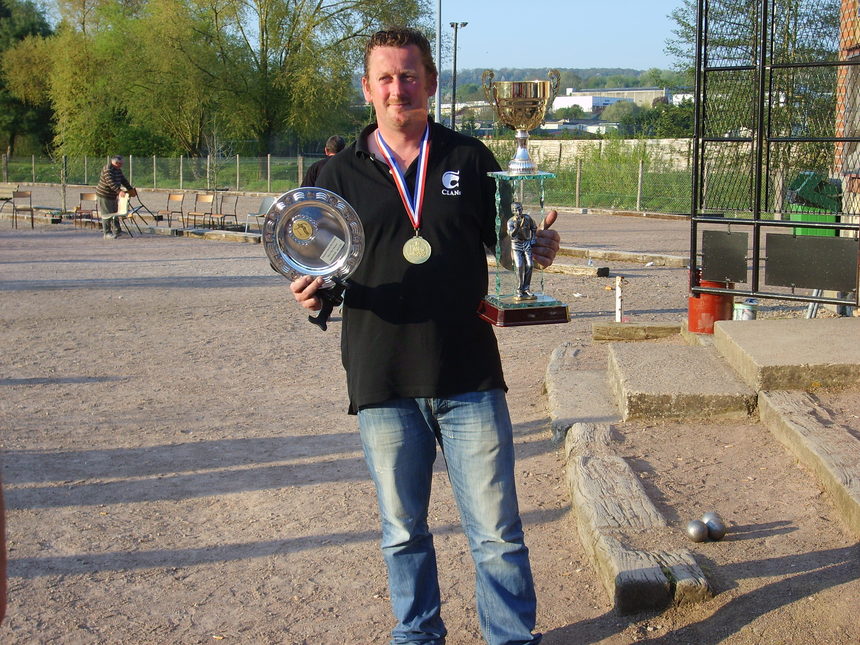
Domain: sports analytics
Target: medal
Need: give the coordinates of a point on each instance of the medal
(417, 250)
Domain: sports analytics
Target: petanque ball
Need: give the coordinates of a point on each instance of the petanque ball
(716, 529)
(711, 515)
(697, 531)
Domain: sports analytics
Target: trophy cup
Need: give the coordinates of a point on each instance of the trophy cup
(521, 105)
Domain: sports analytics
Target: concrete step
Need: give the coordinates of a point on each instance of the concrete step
(792, 354)
(659, 381)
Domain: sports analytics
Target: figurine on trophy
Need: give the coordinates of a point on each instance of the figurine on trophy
(522, 230)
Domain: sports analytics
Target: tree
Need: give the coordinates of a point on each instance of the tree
(572, 112)
(285, 66)
(664, 120)
(617, 111)
(24, 111)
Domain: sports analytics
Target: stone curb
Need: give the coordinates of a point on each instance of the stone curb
(828, 450)
(672, 261)
(620, 331)
(607, 497)
(611, 505)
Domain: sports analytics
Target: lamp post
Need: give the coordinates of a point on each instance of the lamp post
(437, 103)
(455, 26)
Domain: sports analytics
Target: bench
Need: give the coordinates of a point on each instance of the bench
(6, 190)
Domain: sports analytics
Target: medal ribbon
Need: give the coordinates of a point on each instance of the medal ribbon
(414, 204)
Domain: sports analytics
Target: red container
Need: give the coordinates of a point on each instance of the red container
(704, 309)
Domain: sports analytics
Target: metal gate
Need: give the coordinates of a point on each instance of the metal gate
(776, 180)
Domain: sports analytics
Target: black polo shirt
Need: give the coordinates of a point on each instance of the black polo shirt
(412, 330)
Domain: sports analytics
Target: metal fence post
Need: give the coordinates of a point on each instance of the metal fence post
(269, 173)
(5, 167)
(33, 163)
(639, 186)
(86, 182)
(208, 170)
(578, 180)
(181, 157)
(301, 164)
(64, 173)
(154, 173)
(131, 169)
(237, 173)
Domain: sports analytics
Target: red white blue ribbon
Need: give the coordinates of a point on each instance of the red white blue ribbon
(414, 204)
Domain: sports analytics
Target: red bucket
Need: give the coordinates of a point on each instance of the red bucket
(704, 309)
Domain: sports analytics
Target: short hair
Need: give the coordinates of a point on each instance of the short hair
(117, 158)
(335, 143)
(401, 37)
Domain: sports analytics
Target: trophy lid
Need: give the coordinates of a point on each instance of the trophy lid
(314, 232)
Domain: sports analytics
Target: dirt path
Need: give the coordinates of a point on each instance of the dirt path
(180, 468)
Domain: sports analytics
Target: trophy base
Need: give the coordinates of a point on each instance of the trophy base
(507, 311)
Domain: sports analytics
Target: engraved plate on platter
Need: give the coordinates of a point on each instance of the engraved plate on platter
(314, 232)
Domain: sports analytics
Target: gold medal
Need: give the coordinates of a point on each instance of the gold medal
(417, 250)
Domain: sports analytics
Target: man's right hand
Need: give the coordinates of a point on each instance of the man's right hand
(304, 291)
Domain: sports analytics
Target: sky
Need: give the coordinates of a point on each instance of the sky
(558, 33)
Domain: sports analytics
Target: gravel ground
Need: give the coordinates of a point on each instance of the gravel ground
(179, 466)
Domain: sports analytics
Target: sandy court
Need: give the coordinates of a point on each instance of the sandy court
(179, 468)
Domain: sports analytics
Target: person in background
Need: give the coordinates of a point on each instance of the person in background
(112, 182)
(423, 369)
(333, 145)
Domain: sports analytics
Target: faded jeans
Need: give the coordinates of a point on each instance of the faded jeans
(399, 438)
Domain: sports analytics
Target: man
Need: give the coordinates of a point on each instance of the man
(333, 145)
(111, 184)
(422, 367)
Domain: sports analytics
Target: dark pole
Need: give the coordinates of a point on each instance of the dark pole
(456, 26)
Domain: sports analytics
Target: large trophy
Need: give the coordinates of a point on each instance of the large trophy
(520, 105)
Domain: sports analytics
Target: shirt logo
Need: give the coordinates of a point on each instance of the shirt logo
(451, 183)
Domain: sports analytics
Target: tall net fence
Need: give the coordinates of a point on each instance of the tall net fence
(613, 175)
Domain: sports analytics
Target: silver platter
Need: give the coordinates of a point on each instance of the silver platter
(315, 232)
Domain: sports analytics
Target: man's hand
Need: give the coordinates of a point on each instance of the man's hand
(304, 291)
(546, 242)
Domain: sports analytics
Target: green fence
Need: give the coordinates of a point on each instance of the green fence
(611, 181)
(245, 174)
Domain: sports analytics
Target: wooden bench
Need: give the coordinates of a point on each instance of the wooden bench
(6, 190)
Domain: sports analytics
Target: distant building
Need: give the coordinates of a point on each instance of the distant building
(588, 102)
(643, 96)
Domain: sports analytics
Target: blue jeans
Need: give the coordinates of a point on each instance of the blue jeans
(474, 431)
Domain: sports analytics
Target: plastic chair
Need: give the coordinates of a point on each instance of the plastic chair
(22, 202)
(265, 204)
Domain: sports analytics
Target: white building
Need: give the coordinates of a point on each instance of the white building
(588, 102)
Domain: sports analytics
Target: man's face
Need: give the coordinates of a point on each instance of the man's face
(398, 86)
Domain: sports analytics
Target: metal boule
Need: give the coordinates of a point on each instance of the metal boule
(711, 515)
(716, 529)
(697, 531)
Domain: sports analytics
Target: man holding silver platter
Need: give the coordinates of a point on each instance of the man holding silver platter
(422, 367)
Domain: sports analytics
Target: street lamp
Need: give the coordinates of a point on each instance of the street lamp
(455, 26)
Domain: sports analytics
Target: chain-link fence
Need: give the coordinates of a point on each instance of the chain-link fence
(240, 174)
(610, 176)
